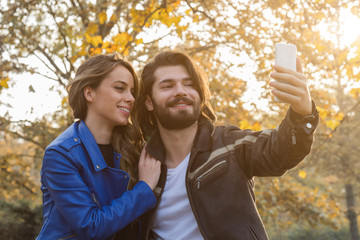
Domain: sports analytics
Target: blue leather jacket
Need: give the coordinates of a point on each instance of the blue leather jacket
(83, 198)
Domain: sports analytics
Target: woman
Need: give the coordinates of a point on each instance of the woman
(85, 183)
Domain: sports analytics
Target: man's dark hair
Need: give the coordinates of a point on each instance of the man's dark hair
(145, 118)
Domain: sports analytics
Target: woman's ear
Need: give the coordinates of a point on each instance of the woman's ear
(89, 94)
(148, 103)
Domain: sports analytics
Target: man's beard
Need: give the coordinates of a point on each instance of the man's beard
(180, 120)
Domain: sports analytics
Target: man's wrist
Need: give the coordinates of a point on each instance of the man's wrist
(308, 122)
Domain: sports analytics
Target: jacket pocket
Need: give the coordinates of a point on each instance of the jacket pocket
(69, 236)
(211, 173)
(253, 233)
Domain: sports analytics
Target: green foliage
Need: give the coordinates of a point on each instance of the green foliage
(19, 220)
(303, 232)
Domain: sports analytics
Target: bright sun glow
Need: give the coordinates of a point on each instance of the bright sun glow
(349, 29)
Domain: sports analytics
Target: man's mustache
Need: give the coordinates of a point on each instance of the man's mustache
(179, 99)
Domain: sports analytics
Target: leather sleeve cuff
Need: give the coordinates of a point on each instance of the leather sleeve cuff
(307, 123)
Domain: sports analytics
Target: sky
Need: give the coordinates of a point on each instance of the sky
(27, 105)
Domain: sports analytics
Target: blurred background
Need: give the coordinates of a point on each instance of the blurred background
(42, 42)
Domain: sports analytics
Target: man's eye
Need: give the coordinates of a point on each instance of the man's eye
(166, 86)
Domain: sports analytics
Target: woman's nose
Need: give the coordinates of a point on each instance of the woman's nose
(129, 97)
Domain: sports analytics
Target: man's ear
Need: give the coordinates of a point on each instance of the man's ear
(89, 94)
(148, 103)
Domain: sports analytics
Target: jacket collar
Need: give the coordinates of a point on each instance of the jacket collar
(203, 140)
(91, 146)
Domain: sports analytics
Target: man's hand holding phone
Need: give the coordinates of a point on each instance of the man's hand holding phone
(289, 84)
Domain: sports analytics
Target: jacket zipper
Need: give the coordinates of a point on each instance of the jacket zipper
(217, 167)
(293, 137)
(191, 199)
(253, 232)
(128, 184)
(67, 237)
(95, 200)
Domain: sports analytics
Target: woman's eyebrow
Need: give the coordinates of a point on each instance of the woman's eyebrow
(121, 82)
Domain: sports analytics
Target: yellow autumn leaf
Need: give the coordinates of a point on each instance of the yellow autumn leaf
(139, 41)
(74, 58)
(244, 124)
(302, 174)
(122, 38)
(339, 116)
(105, 45)
(355, 92)
(138, 17)
(256, 126)
(319, 15)
(97, 51)
(320, 47)
(157, 15)
(63, 101)
(170, 21)
(97, 40)
(102, 17)
(82, 52)
(329, 1)
(332, 124)
(92, 29)
(94, 40)
(4, 82)
(113, 18)
(176, 3)
(195, 18)
(323, 113)
(343, 56)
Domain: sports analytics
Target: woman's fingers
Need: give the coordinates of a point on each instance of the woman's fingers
(149, 169)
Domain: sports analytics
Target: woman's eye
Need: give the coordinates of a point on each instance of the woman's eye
(119, 89)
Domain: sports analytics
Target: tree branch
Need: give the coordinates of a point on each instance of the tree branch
(63, 35)
(57, 70)
(18, 135)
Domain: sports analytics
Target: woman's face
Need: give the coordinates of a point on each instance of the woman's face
(111, 102)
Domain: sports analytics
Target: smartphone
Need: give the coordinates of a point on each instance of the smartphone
(285, 56)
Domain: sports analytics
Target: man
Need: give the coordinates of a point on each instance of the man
(206, 188)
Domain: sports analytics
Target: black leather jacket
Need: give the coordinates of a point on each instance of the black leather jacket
(223, 162)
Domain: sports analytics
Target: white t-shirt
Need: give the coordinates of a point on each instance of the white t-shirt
(174, 218)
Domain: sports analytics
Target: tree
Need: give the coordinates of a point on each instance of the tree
(232, 40)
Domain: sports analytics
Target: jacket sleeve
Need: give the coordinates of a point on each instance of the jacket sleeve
(273, 152)
(79, 207)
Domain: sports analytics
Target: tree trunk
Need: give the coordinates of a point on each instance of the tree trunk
(351, 214)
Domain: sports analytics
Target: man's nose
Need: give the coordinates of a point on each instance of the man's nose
(180, 90)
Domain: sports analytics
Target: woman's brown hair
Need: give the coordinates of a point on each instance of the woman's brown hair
(127, 139)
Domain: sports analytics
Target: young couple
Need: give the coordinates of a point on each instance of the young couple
(192, 179)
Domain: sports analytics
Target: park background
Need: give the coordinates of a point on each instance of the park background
(42, 42)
